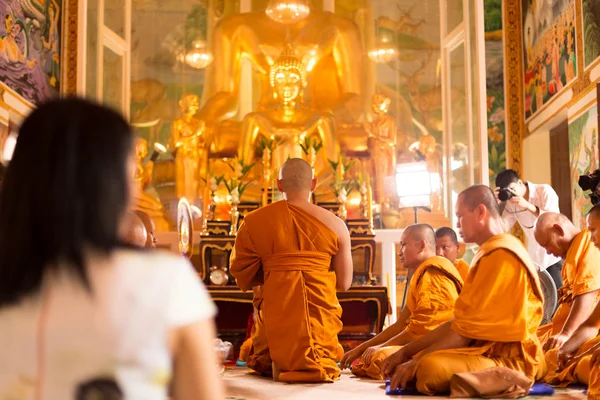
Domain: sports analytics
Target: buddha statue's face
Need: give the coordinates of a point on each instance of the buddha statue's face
(288, 84)
(381, 104)
(189, 104)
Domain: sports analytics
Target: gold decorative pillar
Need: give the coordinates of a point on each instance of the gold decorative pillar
(513, 72)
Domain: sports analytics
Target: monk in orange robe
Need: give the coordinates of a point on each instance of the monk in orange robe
(496, 315)
(299, 254)
(580, 276)
(447, 246)
(573, 358)
(433, 289)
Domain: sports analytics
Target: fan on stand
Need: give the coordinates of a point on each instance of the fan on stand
(550, 295)
(185, 227)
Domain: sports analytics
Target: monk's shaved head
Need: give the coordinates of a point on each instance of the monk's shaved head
(595, 211)
(296, 175)
(133, 230)
(593, 224)
(546, 220)
(150, 228)
(477, 195)
(422, 232)
(417, 245)
(477, 215)
(555, 232)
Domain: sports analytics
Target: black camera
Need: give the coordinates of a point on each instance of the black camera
(590, 182)
(505, 194)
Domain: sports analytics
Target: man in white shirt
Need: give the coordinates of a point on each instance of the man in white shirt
(526, 201)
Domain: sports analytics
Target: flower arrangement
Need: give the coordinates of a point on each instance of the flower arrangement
(341, 186)
(234, 184)
(310, 147)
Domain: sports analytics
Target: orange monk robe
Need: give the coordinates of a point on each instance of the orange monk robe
(500, 307)
(433, 289)
(576, 372)
(288, 251)
(580, 275)
(463, 268)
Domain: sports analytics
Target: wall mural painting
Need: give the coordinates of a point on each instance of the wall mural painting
(494, 58)
(549, 50)
(590, 12)
(30, 45)
(583, 156)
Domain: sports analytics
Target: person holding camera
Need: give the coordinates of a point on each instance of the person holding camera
(523, 202)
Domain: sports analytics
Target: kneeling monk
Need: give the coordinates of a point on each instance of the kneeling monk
(496, 315)
(447, 246)
(433, 289)
(580, 276)
(575, 354)
(300, 254)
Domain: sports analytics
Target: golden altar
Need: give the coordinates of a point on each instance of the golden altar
(273, 90)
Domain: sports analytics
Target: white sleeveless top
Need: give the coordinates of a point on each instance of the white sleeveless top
(111, 340)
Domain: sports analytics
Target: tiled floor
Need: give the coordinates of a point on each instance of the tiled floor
(243, 386)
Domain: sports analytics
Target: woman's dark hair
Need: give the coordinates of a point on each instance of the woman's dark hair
(64, 190)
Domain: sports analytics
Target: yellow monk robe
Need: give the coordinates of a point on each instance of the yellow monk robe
(594, 381)
(580, 275)
(463, 268)
(577, 372)
(500, 307)
(288, 252)
(432, 292)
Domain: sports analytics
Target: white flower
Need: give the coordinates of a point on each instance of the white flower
(267, 153)
(213, 184)
(235, 196)
(363, 189)
(342, 195)
(239, 170)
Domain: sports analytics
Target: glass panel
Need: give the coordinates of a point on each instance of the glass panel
(475, 98)
(112, 69)
(114, 16)
(459, 160)
(92, 49)
(454, 14)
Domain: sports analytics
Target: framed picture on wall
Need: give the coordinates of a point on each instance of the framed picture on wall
(30, 49)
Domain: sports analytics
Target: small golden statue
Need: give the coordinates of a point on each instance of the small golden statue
(382, 133)
(287, 121)
(142, 179)
(188, 144)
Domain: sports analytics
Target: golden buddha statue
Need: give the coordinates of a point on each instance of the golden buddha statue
(382, 133)
(289, 122)
(188, 144)
(331, 50)
(142, 178)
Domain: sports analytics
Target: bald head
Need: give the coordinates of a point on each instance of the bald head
(422, 232)
(593, 224)
(150, 228)
(555, 232)
(133, 230)
(418, 244)
(476, 195)
(477, 214)
(296, 176)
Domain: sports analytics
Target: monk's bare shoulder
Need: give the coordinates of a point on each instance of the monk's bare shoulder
(332, 221)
